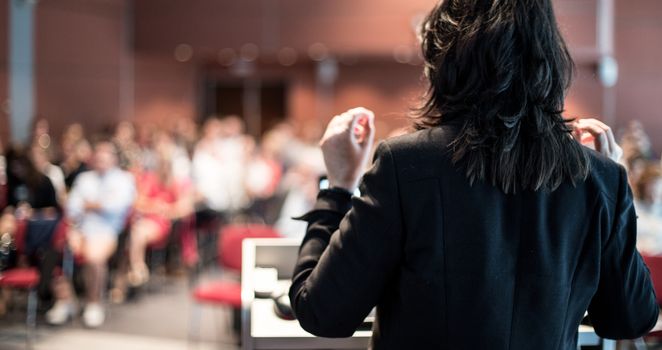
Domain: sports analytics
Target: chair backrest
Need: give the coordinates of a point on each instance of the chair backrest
(229, 244)
(654, 264)
(3, 195)
(60, 235)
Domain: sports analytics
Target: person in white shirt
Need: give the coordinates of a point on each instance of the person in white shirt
(97, 207)
(219, 166)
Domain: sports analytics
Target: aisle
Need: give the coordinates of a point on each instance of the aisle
(157, 320)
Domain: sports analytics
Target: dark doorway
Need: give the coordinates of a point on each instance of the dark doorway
(229, 99)
(234, 98)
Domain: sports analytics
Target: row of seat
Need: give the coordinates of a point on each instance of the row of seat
(225, 292)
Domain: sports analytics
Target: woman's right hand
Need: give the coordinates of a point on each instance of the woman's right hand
(592, 132)
(346, 147)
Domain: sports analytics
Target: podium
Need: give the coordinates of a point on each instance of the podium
(262, 329)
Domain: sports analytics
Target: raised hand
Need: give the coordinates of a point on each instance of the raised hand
(346, 146)
(598, 134)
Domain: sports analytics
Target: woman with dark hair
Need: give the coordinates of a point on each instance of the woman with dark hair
(491, 227)
(27, 187)
(31, 197)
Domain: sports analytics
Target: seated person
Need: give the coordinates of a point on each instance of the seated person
(42, 162)
(162, 198)
(29, 192)
(648, 203)
(97, 207)
(32, 198)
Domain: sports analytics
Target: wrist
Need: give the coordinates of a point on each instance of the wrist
(349, 185)
(340, 190)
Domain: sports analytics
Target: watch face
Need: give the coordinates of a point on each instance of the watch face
(324, 183)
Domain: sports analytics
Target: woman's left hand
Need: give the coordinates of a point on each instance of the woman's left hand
(589, 130)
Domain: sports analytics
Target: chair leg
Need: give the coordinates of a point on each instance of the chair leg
(151, 266)
(162, 273)
(194, 323)
(68, 264)
(223, 325)
(31, 318)
(156, 260)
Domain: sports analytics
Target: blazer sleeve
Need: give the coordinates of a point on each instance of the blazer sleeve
(345, 261)
(624, 306)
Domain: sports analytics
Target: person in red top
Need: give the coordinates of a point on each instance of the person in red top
(162, 198)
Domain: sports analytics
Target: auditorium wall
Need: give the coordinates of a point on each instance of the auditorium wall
(82, 51)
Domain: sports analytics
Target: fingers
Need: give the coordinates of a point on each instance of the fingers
(604, 139)
(338, 126)
(597, 130)
(576, 131)
(346, 145)
(363, 121)
(356, 124)
(607, 131)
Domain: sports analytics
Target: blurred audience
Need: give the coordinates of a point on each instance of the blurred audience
(645, 178)
(144, 186)
(146, 182)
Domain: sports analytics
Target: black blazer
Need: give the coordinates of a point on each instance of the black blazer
(455, 266)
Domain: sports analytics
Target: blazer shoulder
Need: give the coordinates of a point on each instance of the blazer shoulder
(422, 153)
(606, 176)
(433, 139)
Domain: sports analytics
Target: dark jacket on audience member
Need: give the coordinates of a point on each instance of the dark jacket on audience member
(455, 266)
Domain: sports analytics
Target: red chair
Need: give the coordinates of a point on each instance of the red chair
(654, 264)
(25, 278)
(228, 293)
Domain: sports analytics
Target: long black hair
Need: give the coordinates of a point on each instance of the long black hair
(500, 70)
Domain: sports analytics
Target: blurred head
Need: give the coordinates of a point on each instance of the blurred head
(648, 187)
(105, 156)
(72, 134)
(275, 141)
(41, 127)
(636, 167)
(74, 131)
(163, 142)
(40, 157)
(212, 128)
(232, 126)
(500, 70)
(635, 142)
(186, 129)
(41, 135)
(20, 168)
(82, 151)
(125, 132)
